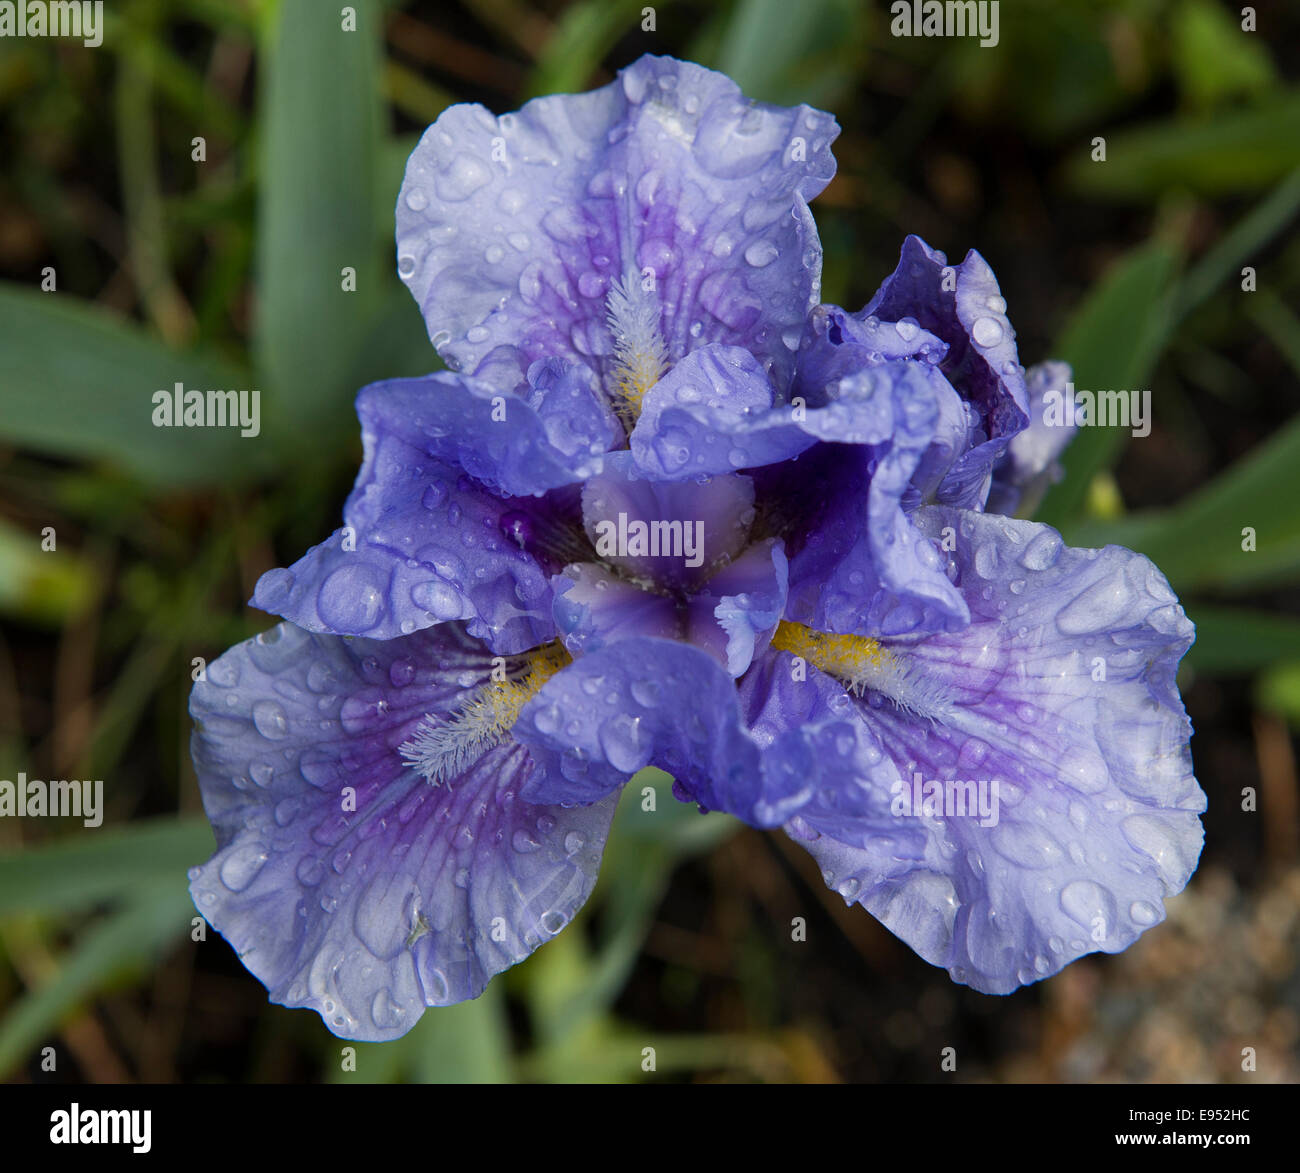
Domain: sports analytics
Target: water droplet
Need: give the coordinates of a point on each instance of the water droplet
(351, 599)
(461, 178)
(524, 841)
(439, 599)
(1143, 913)
(435, 986)
(986, 332)
(761, 253)
(624, 743)
(646, 692)
(270, 720)
(241, 866)
(1089, 905)
(310, 871)
(1043, 551)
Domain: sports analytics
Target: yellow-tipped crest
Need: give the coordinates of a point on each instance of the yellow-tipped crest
(854, 659)
(640, 356)
(443, 747)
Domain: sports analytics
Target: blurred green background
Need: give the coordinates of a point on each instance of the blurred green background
(224, 272)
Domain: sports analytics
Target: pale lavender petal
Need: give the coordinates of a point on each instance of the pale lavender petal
(1062, 691)
(1031, 462)
(346, 882)
(511, 230)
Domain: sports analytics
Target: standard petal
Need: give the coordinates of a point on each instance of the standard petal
(511, 231)
(715, 412)
(861, 566)
(963, 306)
(425, 539)
(344, 880)
(1030, 465)
(837, 345)
(1062, 691)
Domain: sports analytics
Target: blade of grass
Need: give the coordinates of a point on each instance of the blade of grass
(123, 943)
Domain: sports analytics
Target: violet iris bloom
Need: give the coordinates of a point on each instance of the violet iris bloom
(665, 508)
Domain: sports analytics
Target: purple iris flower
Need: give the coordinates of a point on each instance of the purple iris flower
(665, 508)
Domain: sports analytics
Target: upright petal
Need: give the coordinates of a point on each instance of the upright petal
(963, 306)
(1030, 465)
(836, 345)
(671, 534)
(857, 564)
(512, 231)
(344, 880)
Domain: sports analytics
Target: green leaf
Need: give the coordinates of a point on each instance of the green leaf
(1111, 343)
(95, 865)
(321, 118)
(465, 1043)
(778, 52)
(1236, 640)
(79, 383)
(644, 848)
(1250, 234)
(1199, 544)
(1213, 57)
(45, 586)
(1278, 691)
(1235, 151)
(125, 942)
(1280, 324)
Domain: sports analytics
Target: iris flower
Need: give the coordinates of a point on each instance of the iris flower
(666, 508)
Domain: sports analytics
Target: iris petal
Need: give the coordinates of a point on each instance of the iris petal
(345, 881)
(423, 541)
(963, 306)
(620, 708)
(511, 231)
(1062, 691)
(1030, 464)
